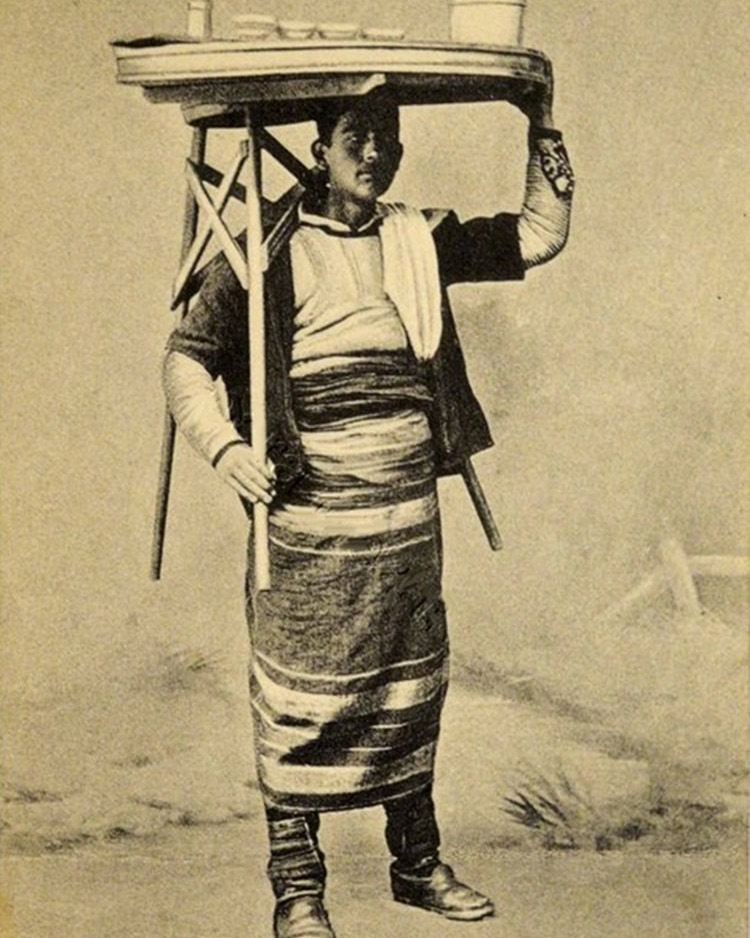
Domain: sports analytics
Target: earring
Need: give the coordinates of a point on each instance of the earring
(321, 171)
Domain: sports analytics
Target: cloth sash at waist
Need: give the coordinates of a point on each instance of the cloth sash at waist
(369, 387)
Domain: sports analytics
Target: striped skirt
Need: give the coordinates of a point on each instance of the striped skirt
(349, 647)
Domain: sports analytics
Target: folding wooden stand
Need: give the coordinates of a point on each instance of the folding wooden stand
(226, 84)
(249, 267)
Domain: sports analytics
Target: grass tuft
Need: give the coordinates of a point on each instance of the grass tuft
(559, 816)
(30, 795)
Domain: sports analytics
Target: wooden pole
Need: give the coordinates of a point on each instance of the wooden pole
(720, 566)
(646, 591)
(223, 195)
(256, 265)
(679, 577)
(283, 156)
(481, 505)
(676, 573)
(189, 228)
(223, 235)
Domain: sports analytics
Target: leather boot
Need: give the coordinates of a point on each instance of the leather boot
(436, 889)
(297, 872)
(301, 917)
(296, 865)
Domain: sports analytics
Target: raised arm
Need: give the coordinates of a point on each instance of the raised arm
(544, 220)
(504, 246)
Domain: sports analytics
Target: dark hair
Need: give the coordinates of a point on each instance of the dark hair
(328, 115)
(330, 112)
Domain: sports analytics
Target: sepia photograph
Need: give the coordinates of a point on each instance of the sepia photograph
(375, 431)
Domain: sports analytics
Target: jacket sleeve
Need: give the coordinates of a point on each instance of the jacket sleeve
(481, 249)
(545, 217)
(194, 401)
(504, 246)
(214, 331)
(209, 343)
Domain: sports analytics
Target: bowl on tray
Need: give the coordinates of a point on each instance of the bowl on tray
(255, 26)
(383, 33)
(338, 30)
(296, 29)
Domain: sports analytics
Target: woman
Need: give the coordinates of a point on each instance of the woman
(368, 404)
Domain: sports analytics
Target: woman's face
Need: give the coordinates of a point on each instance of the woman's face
(363, 155)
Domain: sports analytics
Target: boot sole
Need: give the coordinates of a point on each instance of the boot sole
(467, 915)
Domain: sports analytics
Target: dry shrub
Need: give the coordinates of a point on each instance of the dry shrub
(559, 815)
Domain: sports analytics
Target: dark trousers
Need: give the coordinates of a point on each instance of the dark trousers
(296, 866)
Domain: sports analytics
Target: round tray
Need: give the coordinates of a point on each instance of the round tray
(216, 82)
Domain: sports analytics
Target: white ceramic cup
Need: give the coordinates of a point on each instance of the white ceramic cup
(493, 22)
(199, 19)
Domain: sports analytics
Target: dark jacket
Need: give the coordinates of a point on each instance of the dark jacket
(215, 334)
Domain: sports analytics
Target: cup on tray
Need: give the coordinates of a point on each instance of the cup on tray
(255, 26)
(296, 29)
(338, 30)
(495, 22)
(383, 33)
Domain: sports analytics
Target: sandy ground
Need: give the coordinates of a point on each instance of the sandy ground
(130, 809)
(169, 850)
(195, 883)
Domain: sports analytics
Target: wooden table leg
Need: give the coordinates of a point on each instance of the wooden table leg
(256, 330)
(189, 228)
(481, 505)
